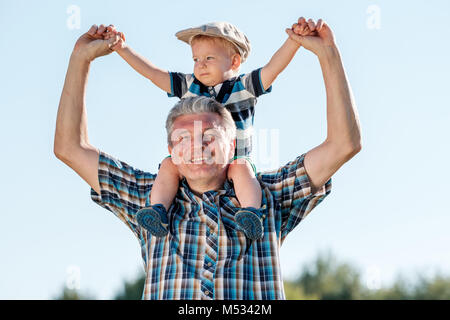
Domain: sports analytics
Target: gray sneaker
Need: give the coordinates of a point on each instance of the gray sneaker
(154, 219)
(250, 221)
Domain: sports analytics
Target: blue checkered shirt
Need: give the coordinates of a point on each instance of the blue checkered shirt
(204, 255)
(238, 95)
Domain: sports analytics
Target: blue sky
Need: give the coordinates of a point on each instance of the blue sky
(387, 212)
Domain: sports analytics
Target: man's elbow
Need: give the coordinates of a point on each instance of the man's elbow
(352, 149)
(57, 145)
(64, 145)
(59, 142)
(59, 151)
(63, 150)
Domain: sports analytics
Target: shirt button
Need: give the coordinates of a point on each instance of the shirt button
(206, 292)
(209, 264)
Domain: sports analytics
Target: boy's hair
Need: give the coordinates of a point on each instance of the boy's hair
(197, 105)
(230, 47)
(223, 30)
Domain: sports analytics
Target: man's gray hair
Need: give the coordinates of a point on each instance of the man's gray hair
(196, 105)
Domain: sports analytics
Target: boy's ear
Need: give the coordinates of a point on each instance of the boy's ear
(170, 149)
(235, 61)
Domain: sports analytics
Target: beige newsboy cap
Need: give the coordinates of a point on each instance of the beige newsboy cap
(219, 29)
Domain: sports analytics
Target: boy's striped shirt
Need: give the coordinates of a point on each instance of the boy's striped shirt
(238, 95)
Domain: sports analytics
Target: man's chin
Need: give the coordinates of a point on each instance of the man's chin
(202, 170)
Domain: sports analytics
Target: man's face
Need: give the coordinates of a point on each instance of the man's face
(200, 149)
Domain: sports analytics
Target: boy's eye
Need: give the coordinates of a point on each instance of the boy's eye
(209, 58)
(195, 59)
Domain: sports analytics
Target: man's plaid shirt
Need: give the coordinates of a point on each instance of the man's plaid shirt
(205, 256)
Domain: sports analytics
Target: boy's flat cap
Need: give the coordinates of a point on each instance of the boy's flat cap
(219, 29)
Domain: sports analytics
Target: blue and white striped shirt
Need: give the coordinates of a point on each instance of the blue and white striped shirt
(204, 255)
(238, 95)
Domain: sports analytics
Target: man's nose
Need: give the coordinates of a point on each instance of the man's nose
(196, 143)
(199, 145)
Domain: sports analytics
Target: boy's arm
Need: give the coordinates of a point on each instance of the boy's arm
(159, 77)
(284, 55)
(278, 62)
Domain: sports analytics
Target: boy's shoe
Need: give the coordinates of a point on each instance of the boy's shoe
(250, 221)
(154, 219)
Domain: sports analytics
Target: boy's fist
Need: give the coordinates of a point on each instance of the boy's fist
(303, 27)
(119, 37)
(319, 41)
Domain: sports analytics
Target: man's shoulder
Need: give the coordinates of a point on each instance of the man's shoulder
(284, 171)
(290, 184)
(121, 169)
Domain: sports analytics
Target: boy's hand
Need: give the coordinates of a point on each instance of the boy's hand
(302, 28)
(119, 37)
(319, 41)
(92, 44)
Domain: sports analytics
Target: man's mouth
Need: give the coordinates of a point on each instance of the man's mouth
(201, 160)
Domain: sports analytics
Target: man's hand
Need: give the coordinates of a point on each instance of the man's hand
(320, 36)
(92, 44)
(119, 38)
(301, 28)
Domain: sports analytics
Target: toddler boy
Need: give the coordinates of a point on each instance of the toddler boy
(218, 50)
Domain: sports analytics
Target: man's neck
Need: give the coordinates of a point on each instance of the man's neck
(200, 187)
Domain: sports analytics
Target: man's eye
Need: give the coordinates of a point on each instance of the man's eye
(210, 137)
(182, 138)
(209, 58)
(195, 59)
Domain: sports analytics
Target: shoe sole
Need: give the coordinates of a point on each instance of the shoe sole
(151, 221)
(251, 224)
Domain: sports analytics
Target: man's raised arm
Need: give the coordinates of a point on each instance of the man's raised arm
(343, 128)
(71, 143)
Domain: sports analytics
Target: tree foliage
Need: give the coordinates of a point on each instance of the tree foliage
(325, 278)
(328, 279)
(132, 290)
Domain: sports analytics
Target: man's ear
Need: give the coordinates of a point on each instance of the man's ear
(232, 149)
(235, 61)
(170, 149)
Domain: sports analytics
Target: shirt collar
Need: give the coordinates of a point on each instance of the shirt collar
(188, 195)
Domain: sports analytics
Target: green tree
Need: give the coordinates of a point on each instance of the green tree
(436, 287)
(72, 294)
(324, 278)
(132, 290)
(327, 279)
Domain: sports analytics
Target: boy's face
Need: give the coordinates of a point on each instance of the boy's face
(213, 63)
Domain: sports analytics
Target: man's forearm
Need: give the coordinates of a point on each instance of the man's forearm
(147, 69)
(71, 122)
(343, 127)
(278, 62)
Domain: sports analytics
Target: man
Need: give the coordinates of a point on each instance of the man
(205, 256)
